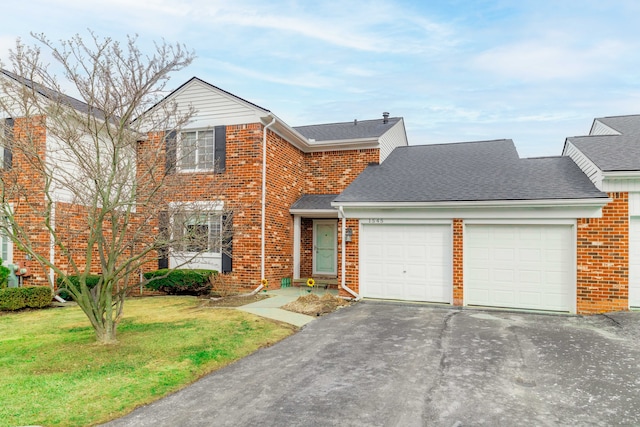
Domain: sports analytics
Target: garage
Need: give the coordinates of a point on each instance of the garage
(634, 262)
(519, 266)
(410, 262)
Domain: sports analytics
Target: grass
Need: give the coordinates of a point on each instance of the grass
(53, 373)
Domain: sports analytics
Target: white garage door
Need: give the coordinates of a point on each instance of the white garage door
(406, 262)
(634, 262)
(519, 266)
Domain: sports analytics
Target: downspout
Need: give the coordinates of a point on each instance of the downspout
(343, 267)
(264, 201)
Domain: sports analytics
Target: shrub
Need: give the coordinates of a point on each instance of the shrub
(180, 282)
(18, 298)
(91, 281)
(11, 299)
(38, 296)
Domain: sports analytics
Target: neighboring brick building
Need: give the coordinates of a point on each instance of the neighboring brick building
(35, 168)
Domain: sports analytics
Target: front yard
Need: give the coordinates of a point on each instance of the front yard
(53, 373)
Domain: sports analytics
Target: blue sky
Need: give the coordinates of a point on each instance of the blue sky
(463, 70)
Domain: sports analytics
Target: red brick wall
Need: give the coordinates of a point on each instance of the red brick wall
(458, 278)
(290, 174)
(285, 185)
(306, 248)
(24, 189)
(352, 275)
(603, 259)
(330, 172)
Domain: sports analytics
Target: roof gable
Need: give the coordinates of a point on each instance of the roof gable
(617, 151)
(213, 106)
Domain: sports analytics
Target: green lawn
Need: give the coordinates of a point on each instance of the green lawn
(53, 373)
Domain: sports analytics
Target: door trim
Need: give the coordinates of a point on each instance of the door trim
(334, 223)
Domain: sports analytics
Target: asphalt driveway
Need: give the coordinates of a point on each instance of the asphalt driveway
(386, 364)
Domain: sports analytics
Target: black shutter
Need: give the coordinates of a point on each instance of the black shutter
(220, 150)
(163, 240)
(227, 243)
(8, 142)
(170, 152)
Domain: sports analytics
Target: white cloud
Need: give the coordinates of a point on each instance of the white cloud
(532, 60)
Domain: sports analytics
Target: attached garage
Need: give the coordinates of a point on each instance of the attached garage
(520, 266)
(410, 262)
(634, 262)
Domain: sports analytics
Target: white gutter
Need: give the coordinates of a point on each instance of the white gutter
(343, 267)
(264, 200)
(546, 203)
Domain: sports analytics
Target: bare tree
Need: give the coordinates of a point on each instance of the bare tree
(85, 185)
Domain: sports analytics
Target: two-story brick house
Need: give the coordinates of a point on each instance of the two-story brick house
(237, 159)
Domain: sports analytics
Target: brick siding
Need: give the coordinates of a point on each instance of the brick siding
(603, 259)
(458, 265)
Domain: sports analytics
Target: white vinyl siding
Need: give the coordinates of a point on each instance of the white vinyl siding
(214, 107)
(600, 128)
(394, 137)
(411, 262)
(613, 185)
(520, 266)
(587, 166)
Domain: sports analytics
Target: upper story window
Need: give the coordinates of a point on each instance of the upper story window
(197, 150)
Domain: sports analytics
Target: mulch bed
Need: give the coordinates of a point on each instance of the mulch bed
(314, 305)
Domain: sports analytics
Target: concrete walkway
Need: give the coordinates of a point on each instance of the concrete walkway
(270, 307)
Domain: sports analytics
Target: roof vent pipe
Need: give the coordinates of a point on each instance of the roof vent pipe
(385, 117)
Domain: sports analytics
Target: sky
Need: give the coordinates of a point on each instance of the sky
(535, 71)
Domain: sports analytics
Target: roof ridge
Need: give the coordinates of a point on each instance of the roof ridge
(619, 116)
(348, 123)
(457, 143)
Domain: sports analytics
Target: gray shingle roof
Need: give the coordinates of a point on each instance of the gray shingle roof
(624, 124)
(613, 153)
(347, 130)
(472, 171)
(54, 95)
(314, 201)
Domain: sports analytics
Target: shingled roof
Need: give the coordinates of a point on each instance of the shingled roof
(470, 171)
(54, 95)
(617, 152)
(348, 130)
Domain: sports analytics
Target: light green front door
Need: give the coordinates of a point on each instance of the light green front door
(324, 247)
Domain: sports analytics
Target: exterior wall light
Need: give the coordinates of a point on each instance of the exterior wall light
(348, 233)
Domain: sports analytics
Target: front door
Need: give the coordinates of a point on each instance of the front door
(325, 239)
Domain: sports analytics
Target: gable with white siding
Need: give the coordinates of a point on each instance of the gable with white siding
(394, 137)
(587, 166)
(212, 106)
(599, 128)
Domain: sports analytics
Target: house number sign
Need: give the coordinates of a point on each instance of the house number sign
(376, 220)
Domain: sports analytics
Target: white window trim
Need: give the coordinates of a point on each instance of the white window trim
(179, 137)
(197, 206)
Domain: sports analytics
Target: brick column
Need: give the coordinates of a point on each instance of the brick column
(457, 262)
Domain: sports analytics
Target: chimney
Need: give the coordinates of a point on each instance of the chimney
(385, 117)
